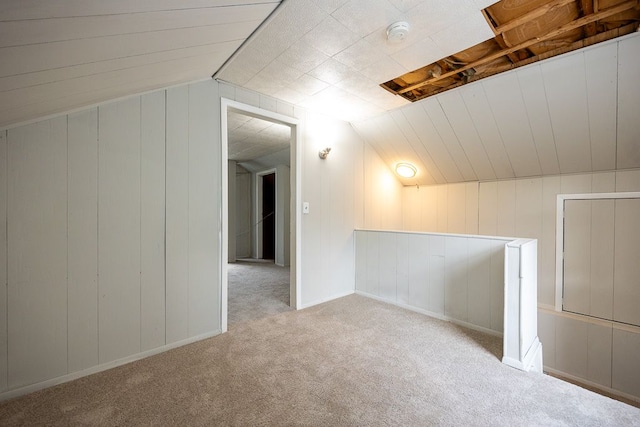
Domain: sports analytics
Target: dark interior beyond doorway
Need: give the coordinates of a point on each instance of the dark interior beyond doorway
(268, 216)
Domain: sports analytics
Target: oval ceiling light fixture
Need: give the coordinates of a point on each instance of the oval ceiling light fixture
(397, 32)
(406, 170)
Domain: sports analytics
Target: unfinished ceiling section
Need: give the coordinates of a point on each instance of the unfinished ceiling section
(525, 31)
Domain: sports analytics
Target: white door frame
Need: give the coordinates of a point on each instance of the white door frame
(296, 195)
(258, 211)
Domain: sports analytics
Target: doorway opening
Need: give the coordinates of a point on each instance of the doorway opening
(260, 219)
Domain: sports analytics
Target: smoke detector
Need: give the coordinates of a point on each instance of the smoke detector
(397, 32)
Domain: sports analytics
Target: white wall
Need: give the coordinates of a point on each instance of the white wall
(89, 200)
(600, 352)
(459, 278)
(243, 213)
(283, 215)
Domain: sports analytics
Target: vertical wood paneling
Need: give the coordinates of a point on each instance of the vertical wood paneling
(626, 292)
(535, 100)
(601, 258)
(626, 363)
(575, 184)
(479, 282)
(528, 208)
(471, 207)
(485, 123)
(82, 243)
(119, 230)
(510, 113)
(37, 259)
(497, 284)
(456, 210)
(418, 271)
(628, 150)
(443, 219)
(205, 195)
(372, 285)
(436, 283)
(603, 182)
(455, 299)
(429, 209)
(601, 65)
(628, 180)
(177, 214)
(566, 92)
(402, 268)
(599, 354)
(547, 336)
(387, 270)
(577, 256)
(506, 208)
(547, 242)
(361, 260)
(152, 221)
(411, 208)
(488, 209)
(3, 261)
(462, 125)
(571, 346)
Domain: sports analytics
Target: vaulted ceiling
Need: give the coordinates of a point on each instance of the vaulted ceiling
(572, 113)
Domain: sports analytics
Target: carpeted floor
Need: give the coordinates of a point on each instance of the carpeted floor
(349, 362)
(256, 289)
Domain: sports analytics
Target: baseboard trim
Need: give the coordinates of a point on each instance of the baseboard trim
(598, 388)
(10, 394)
(432, 314)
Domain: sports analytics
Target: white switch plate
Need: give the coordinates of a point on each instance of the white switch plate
(305, 207)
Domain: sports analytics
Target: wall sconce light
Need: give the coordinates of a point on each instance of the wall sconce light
(406, 170)
(324, 153)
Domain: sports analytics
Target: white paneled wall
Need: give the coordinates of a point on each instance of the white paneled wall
(88, 200)
(460, 278)
(573, 345)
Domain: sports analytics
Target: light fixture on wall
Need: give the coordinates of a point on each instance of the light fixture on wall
(324, 153)
(406, 170)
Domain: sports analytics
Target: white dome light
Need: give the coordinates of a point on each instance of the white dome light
(397, 32)
(406, 170)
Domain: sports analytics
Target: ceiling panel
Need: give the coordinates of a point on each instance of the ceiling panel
(565, 87)
(60, 55)
(431, 173)
(451, 142)
(628, 135)
(505, 99)
(601, 68)
(536, 103)
(475, 99)
(460, 120)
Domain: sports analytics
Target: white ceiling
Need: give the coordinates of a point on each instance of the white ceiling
(330, 56)
(575, 113)
(59, 55)
(250, 138)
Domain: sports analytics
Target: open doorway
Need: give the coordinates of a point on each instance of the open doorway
(254, 152)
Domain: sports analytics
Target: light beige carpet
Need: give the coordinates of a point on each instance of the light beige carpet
(348, 362)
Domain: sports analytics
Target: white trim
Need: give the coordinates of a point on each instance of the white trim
(429, 233)
(103, 367)
(296, 252)
(560, 231)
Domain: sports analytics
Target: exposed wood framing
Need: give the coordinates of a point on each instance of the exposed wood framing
(577, 23)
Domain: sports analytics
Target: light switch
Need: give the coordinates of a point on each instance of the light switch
(305, 207)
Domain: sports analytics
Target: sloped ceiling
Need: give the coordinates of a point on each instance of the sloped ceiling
(58, 55)
(330, 56)
(574, 113)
